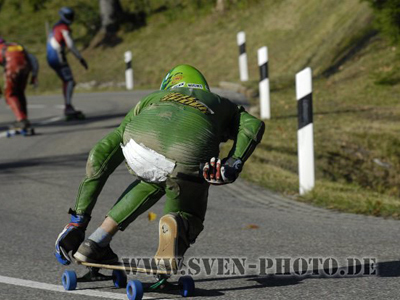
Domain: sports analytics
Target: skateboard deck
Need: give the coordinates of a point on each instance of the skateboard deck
(134, 288)
(127, 268)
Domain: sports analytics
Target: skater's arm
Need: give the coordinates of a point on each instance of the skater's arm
(69, 42)
(103, 159)
(247, 132)
(71, 46)
(35, 67)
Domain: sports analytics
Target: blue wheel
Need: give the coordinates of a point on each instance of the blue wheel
(119, 278)
(186, 285)
(134, 290)
(69, 280)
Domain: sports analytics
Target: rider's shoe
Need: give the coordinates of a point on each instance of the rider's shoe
(90, 251)
(70, 110)
(21, 125)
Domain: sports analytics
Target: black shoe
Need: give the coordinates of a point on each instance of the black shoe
(69, 110)
(21, 125)
(90, 251)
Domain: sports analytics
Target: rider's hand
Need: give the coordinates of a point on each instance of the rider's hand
(34, 81)
(70, 238)
(84, 63)
(217, 172)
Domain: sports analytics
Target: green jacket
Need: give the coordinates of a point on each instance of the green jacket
(185, 125)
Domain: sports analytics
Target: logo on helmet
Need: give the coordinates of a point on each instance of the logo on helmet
(176, 78)
(195, 86)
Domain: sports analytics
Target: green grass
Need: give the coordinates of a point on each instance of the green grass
(356, 132)
(356, 90)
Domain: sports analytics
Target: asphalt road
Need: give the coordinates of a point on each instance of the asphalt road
(276, 239)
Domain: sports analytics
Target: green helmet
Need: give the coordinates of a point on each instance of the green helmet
(184, 76)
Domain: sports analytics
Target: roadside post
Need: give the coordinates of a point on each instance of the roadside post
(241, 41)
(128, 70)
(265, 109)
(305, 139)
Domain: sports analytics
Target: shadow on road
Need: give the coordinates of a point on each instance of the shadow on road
(383, 269)
(51, 161)
(89, 119)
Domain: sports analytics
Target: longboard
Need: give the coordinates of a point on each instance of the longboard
(22, 132)
(134, 288)
(127, 268)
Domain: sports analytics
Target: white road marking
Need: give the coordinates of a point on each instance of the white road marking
(34, 106)
(51, 120)
(60, 289)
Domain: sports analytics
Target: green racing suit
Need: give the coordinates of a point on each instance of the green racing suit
(184, 125)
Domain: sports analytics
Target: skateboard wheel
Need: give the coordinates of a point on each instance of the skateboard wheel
(186, 285)
(119, 278)
(134, 290)
(69, 280)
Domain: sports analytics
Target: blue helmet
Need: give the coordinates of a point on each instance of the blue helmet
(67, 15)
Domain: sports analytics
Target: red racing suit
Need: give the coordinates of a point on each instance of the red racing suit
(17, 66)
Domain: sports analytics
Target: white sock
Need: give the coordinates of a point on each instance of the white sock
(101, 237)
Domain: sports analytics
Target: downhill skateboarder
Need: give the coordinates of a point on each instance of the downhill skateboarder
(58, 41)
(170, 142)
(17, 63)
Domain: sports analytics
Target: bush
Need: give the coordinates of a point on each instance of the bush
(387, 14)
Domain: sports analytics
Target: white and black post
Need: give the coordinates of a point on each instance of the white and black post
(305, 133)
(265, 110)
(241, 41)
(128, 70)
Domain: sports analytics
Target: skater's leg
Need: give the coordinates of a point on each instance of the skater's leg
(184, 210)
(68, 84)
(22, 83)
(136, 199)
(11, 94)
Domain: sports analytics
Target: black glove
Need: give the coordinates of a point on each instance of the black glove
(231, 169)
(34, 81)
(217, 172)
(84, 63)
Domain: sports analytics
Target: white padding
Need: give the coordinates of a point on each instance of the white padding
(147, 163)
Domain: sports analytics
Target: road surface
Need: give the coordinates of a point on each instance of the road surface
(275, 239)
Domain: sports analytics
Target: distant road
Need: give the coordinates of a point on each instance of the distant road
(39, 177)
